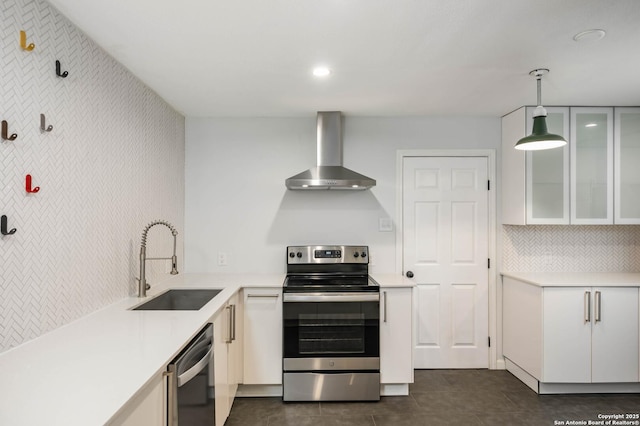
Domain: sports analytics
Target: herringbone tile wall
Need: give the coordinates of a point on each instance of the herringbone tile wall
(113, 162)
(614, 248)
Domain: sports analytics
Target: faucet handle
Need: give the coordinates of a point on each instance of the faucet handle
(147, 286)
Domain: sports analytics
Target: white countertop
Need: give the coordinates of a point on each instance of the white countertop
(577, 279)
(85, 372)
(393, 280)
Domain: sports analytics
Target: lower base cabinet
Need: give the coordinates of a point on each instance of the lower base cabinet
(396, 336)
(574, 336)
(147, 408)
(227, 353)
(262, 334)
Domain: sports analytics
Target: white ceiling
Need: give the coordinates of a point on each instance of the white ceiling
(389, 57)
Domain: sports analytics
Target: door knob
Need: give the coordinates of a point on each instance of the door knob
(409, 274)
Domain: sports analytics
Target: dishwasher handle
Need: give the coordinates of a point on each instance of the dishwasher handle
(199, 365)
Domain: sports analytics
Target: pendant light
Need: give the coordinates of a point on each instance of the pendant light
(540, 137)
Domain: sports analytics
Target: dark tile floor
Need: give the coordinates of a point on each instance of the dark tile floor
(441, 397)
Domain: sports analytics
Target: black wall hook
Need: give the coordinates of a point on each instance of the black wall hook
(43, 124)
(5, 132)
(58, 73)
(3, 226)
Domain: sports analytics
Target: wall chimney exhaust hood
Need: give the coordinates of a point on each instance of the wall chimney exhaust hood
(329, 172)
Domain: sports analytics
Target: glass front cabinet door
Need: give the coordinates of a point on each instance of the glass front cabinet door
(627, 165)
(548, 174)
(591, 148)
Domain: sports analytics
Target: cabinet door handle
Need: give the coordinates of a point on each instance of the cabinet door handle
(233, 323)
(587, 306)
(229, 339)
(275, 296)
(172, 397)
(384, 305)
(598, 306)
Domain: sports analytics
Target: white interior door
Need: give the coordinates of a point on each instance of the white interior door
(446, 247)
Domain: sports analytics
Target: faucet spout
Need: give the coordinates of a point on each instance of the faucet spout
(142, 282)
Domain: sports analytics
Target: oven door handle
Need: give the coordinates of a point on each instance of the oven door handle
(331, 297)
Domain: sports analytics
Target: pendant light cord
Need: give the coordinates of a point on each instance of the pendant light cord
(539, 78)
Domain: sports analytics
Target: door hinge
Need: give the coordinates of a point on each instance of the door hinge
(488, 263)
(489, 339)
(488, 185)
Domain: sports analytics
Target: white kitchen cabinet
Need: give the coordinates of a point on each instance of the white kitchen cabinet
(262, 336)
(396, 348)
(614, 335)
(591, 147)
(593, 180)
(590, 335)
(147, 408)
(571, 335)
(566, 356)
(227, 353)
(535, 184)
(627, 172)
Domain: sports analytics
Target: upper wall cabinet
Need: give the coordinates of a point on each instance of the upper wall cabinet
(591, 146)
(535, 184)
(579, 183)
(627, 171)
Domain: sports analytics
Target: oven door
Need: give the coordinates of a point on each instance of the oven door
(340, 326)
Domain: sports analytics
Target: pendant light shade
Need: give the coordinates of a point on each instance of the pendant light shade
(540, 138)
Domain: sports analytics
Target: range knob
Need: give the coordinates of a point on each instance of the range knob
(364, 254)
(292, 255)
(299, 254)
(356, 254)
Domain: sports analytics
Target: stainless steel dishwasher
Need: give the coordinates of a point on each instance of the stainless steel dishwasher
(191, 395)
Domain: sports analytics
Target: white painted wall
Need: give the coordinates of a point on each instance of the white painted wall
(237, 203)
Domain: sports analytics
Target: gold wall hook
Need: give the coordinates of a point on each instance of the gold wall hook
(23, 42)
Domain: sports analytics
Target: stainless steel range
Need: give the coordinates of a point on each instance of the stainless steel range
(331, 337)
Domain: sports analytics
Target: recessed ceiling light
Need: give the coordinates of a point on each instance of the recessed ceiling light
(591, 125)
(590, 35)
(321, 71)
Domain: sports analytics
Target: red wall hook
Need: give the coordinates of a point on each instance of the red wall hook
(28, 187)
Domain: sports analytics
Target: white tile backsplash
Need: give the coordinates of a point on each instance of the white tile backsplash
(560, 248)
(113, 162)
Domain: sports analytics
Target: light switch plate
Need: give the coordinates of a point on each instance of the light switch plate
(385, 224)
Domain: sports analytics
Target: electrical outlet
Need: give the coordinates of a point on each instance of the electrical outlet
(223, 259)
(547, 258)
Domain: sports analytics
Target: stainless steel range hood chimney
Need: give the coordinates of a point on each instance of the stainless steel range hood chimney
(329, 172)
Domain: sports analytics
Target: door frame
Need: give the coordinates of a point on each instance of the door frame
(490, 155)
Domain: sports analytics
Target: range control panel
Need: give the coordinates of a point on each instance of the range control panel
(327, 254)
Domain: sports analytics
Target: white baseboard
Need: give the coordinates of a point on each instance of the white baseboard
(396, 389)
(562, 388)
(522, 375)
(558, 388)
(245, 391)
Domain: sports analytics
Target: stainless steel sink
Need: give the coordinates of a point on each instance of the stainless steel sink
(179, 300)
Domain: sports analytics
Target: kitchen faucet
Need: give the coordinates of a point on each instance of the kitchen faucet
(142, 282)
